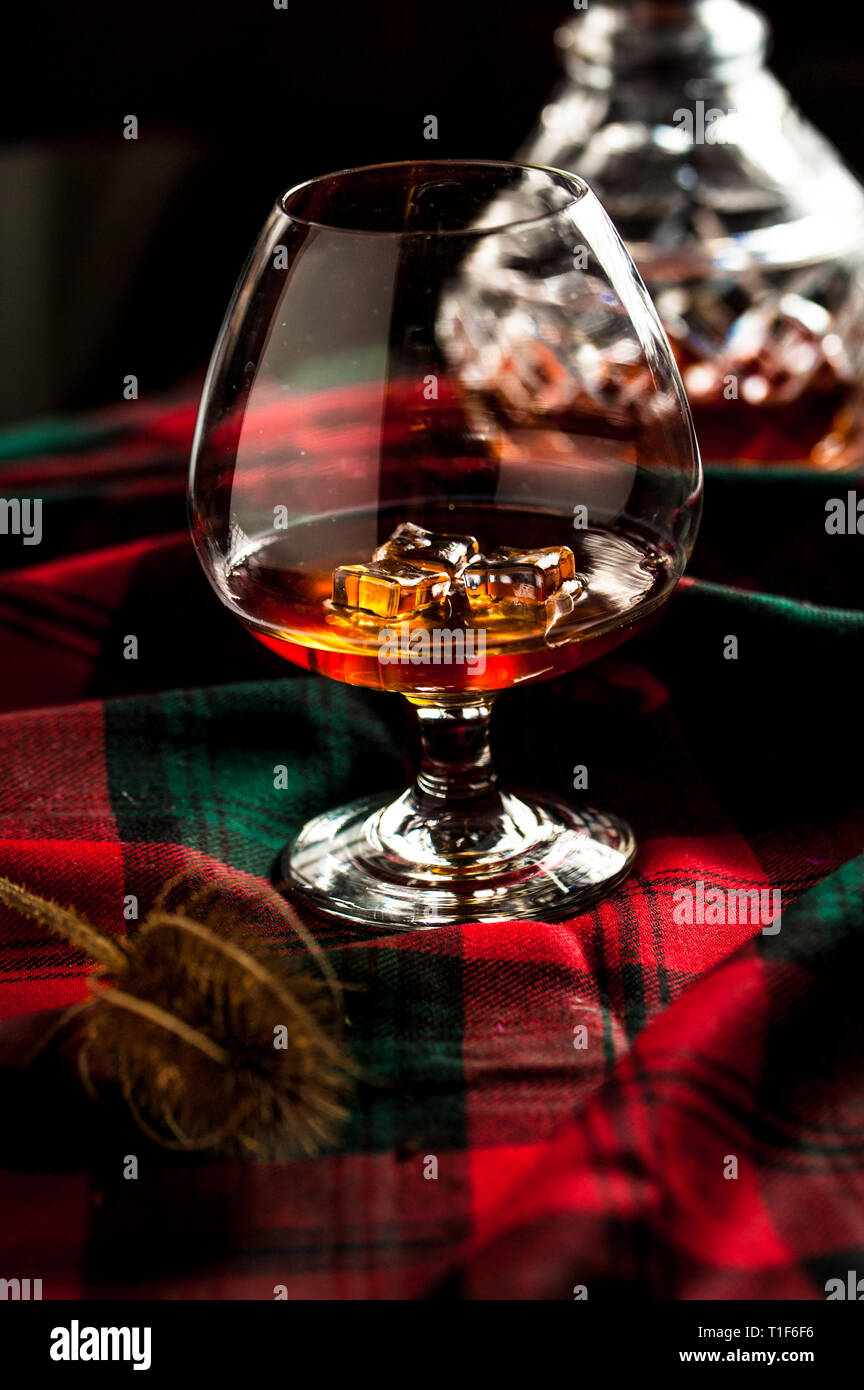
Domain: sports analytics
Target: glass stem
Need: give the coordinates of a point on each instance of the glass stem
(456, 761)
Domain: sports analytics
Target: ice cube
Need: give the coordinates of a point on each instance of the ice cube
(559, 607)
(428, 549)
(532, 376)
(778, 348)
(390, 588)
(519, 576)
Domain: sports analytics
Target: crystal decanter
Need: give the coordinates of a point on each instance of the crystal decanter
(746, 226)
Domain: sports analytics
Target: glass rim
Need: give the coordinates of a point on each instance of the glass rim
(576, 187)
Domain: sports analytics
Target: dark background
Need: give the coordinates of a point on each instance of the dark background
(119, 256)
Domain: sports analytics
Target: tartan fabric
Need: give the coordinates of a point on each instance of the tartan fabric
(557, 1166)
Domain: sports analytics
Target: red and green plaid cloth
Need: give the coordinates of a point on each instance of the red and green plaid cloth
(605, 1166)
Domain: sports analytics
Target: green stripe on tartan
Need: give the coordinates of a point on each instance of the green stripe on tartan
(199, 767)
(788, 611)
(815, 927)
(196, 768)
(810, 1054)
(406, 1030)
(50, 436)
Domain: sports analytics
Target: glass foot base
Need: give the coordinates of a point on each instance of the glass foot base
(376, 863)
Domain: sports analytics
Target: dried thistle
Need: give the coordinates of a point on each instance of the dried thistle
(214, 1042)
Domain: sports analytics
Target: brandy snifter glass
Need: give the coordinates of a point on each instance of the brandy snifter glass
(443, 449)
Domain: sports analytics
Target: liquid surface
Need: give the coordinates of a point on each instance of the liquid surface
(282, 585)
